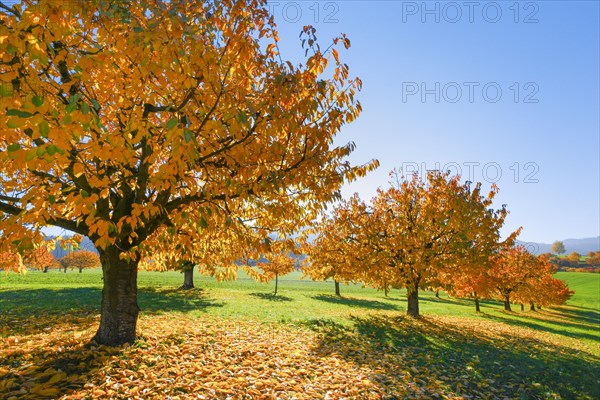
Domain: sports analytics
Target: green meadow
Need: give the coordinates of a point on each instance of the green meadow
(454, 351)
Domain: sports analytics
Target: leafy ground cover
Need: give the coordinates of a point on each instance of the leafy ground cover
(235, 340)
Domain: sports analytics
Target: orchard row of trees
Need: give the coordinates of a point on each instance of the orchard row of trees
(41, 258)
(575, 262)
(433, 234)
(197, 147)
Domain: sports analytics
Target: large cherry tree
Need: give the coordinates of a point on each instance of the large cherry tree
(415, 234)
(123, 119)
(424, 230)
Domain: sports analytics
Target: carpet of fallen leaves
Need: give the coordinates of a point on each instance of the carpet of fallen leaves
(381, 356)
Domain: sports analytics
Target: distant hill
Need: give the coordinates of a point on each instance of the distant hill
(581, 246)
(86, 244)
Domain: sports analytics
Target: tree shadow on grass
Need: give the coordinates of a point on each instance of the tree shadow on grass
(446, 300)
(582, 314)
(31, 311)
(354, 302)
(271, 297)
(46, 373)
(557, 327)
(160, 301)
(423, 358)
(560, 319)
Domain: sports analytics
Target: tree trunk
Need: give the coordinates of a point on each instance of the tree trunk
(522, 307)
(119, 309)
(65, 269)
(437, 294)
(188, 277)
(276, 282)
(337, 289)
(532, 306)
(477, 309)
(45, 269)
(507, 304)
(80, 269)
(413, 303)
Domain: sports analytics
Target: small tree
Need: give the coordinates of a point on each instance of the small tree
(594, 258)
(80, 259)
(271, 266)
(513, 269)
(171, 262)
(333, 252)
(558, 247)
(573, 258)
(41, 258)
(540, 287)
(214, 251)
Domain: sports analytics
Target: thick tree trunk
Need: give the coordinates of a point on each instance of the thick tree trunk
(522, 307)
(276, 282)
(507, 304)
(477, 309)
(65, 269)
(437, 294)
(532, 306)
(80, 270)
(188, 277)
(119, 309)
(337, 289)
(45, 269)
(413, 303)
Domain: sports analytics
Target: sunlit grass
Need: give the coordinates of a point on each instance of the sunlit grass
(450, 351)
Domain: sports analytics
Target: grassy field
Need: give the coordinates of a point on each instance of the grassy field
(357, 346)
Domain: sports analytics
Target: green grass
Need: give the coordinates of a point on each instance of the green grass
(537, 353)
(299, 300)
(586, 287)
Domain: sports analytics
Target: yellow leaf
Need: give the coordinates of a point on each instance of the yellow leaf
(45, 391)
(56, 378)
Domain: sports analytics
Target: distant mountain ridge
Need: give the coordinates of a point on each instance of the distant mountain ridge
(86, 244)
(581, 246)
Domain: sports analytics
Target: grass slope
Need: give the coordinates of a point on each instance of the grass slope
(358, 346)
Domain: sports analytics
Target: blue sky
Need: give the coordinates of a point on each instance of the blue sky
(506, 91)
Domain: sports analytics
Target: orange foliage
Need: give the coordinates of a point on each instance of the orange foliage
(128, 119)
(80, 259)
(40, 258)
(278, 261)
(521, 277)
(332, 254)
(540, 288)
(414, 235)
(11, 262)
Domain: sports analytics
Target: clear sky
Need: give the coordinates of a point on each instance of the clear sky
(507, 92)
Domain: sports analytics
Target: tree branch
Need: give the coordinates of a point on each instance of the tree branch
(73, 226)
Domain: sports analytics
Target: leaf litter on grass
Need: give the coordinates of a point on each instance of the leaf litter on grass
(381, 356)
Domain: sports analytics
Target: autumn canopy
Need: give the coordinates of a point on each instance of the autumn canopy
(131, 121)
